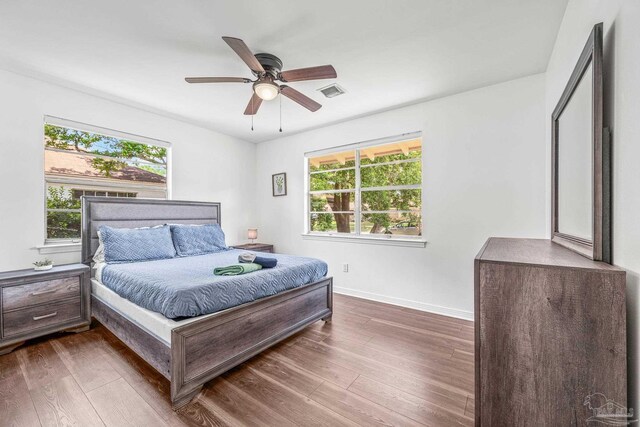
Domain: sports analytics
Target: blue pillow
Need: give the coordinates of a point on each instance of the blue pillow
(136, 244)
(190, 240)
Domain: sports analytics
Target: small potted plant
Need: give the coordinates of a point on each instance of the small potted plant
(47, 264)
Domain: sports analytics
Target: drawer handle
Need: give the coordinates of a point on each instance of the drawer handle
(46, 316)
(35, 294)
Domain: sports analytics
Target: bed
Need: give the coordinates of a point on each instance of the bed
(189, 351)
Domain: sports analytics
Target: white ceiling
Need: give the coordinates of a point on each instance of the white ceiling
(386, 53)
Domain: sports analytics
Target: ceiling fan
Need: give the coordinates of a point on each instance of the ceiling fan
(267, 69)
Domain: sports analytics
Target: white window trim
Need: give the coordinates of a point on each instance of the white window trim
(52, 246)
(365, 144)
(59, 247)
(406, 241)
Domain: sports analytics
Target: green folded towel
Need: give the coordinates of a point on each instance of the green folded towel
(237, 269)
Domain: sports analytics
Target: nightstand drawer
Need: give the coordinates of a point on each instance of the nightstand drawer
(255, 247)
(14, 297)
(30, 319)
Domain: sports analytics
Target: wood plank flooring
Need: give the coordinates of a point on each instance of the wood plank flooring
(374, 364)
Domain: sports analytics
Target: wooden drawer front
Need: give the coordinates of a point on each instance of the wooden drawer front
(33, 318)
(40, 292)
(242, 334)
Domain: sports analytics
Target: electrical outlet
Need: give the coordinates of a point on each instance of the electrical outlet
(345, 268)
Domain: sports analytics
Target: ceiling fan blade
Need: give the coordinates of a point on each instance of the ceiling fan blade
(311, 73)
(216, 80)
(254, 104)
(244, 53)
(300, 98)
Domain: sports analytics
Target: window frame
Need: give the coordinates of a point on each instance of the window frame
(357, 235)
(70, 182)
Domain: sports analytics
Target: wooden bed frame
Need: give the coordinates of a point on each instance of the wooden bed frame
(203, 349)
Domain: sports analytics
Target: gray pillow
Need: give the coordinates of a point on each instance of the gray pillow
(136, 244)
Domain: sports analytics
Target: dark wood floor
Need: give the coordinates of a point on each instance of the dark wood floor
(374, 364)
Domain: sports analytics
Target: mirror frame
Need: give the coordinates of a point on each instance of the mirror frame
(599, 247)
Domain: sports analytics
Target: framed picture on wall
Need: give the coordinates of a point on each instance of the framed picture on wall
(279, 184)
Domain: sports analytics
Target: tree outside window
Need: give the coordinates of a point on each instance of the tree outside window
(370, 190)
(85, 163)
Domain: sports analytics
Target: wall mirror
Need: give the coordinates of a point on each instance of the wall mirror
(581, 173)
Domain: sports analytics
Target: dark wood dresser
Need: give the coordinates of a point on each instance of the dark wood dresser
(550, 330)
(36, 303)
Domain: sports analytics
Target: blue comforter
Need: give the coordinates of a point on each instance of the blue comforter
(186, 287)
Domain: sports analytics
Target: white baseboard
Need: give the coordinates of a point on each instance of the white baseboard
(445, 311)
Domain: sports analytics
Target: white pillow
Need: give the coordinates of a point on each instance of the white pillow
(99, 255)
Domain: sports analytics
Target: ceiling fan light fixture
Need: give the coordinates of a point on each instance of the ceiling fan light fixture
(267, 68)
(266, 90)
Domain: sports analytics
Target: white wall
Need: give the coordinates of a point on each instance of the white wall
(206, 165)
(621, 20)
(484, 175)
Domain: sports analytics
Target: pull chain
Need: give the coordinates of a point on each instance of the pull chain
(280, 96)
(253, 113)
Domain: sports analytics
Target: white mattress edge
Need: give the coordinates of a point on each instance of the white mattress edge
(150, 321)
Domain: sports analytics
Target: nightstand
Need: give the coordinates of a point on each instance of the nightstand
(258, 247)
(35, 303)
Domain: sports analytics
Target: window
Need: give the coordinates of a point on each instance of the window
(369, 189)
(81, 160)
(76, 194)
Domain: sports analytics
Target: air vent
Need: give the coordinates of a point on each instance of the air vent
(332, 90)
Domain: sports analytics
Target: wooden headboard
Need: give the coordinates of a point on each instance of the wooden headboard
(123, 212)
